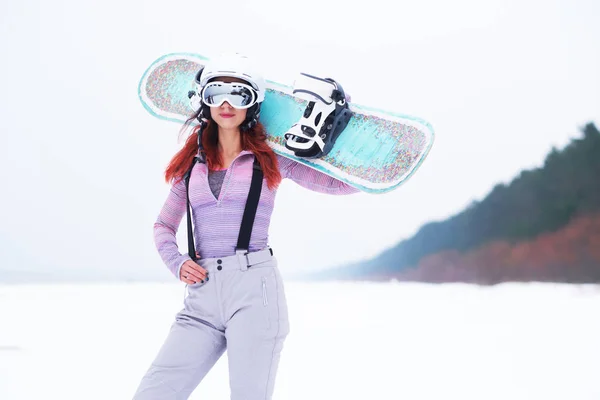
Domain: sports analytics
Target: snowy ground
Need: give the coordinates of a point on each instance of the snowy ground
(348, 341)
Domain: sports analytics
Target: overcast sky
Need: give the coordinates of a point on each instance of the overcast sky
(81, 161)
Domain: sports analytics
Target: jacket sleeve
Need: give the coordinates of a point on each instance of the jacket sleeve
(312, 179)
(166, 225)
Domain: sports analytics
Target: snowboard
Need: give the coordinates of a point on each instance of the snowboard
(376, 152)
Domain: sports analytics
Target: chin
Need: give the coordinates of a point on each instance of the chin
(228, 123)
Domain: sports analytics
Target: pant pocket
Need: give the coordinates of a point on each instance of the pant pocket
(274, 303)
(264, 291)
(196, 299)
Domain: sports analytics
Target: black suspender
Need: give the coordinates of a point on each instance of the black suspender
(191, 247)
(251, 206)
(249, 212)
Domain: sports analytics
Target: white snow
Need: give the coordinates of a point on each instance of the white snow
(347, 341)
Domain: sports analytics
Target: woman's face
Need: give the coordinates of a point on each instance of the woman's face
(225, 115)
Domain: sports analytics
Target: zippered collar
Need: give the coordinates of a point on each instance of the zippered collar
(244, 152)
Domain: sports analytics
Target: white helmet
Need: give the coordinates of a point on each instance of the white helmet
(237, 66)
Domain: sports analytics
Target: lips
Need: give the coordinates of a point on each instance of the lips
(227, 115)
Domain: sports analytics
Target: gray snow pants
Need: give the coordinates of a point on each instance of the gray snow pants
(241, 308)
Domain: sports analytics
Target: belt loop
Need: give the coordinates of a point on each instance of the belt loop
(243, 259)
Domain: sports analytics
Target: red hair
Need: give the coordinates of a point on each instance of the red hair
(254, 140)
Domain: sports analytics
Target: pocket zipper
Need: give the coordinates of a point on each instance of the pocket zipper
(264, 291)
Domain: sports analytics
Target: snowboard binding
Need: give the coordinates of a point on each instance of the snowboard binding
(324, 119)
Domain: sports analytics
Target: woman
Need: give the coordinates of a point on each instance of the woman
(236, 299)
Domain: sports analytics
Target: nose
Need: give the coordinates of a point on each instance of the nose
(226, 105)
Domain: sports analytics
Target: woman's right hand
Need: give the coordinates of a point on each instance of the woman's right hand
(192, 273)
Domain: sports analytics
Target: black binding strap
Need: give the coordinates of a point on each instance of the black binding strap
(249, 211)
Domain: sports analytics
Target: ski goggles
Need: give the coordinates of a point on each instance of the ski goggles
(238, 95)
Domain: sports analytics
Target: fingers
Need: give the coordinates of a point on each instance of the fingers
(192, 273)
(190, 276)
(186, 280)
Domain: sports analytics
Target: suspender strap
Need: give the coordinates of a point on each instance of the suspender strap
(249, 212)
(251, 206)
(191, 246)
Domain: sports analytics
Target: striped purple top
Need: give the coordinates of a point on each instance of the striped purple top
(217, 220)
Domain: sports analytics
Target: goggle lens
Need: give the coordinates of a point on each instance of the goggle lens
(238, 95)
